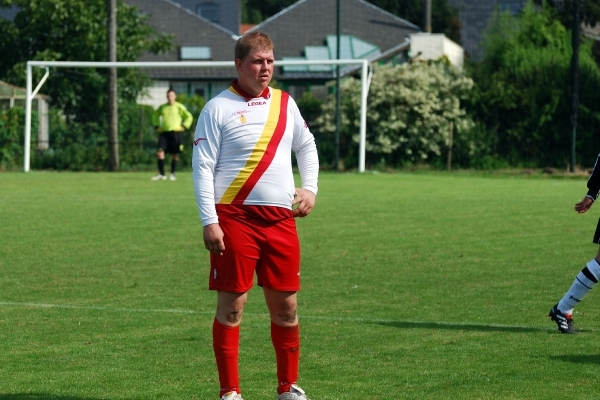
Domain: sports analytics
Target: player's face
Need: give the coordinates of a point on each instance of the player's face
(255, 71)
(171, 96)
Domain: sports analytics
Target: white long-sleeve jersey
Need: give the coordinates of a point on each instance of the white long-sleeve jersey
(243, 148)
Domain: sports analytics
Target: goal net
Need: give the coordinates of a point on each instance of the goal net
(357, 68)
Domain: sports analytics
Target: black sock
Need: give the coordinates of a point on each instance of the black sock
(161, 167)
(173, 166)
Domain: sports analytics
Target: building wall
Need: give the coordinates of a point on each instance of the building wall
(157, 93)
(432, 46)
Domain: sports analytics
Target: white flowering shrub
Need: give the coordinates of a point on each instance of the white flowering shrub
(409, 112)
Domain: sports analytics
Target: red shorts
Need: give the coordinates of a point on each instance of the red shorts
(261, 239)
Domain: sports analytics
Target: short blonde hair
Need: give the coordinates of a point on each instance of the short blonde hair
(250, 41)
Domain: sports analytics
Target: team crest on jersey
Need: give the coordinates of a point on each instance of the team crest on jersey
(243, 119)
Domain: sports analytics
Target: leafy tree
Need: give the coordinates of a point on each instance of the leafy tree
(411, 108)
(523, 88)
(75, 30)
(563, 9)
(589, 15)
(12, 123)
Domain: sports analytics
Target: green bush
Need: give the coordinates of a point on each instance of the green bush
(411, 108)
(12, 137)
(522, 92)
(82, 144)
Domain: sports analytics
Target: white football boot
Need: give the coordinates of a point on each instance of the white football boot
(231, 396)
(295, 393)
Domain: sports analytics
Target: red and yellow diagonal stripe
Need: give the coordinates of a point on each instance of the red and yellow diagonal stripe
(263, 153)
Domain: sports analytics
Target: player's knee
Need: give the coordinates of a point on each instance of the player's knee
(233, 316)
(287, 315)
(229, 316)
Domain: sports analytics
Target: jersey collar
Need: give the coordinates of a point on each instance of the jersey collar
(265, 93)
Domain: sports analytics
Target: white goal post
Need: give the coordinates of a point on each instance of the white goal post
(365, 77)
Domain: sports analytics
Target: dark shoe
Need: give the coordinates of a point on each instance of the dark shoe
(565, 324)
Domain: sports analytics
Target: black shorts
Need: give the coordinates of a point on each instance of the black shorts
(597, 234)
(170, 142)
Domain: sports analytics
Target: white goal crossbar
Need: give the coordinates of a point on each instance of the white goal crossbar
(365, 77)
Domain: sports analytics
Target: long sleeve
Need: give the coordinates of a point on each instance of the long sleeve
(593, 183)
(204, 160)
(186, 116)
(306, 152)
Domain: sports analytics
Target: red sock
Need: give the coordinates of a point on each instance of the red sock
(287, 350)
(226, 344)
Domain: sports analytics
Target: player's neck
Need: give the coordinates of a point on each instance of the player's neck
(250, 90)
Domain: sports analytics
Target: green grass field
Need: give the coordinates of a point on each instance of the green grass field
(414, 286)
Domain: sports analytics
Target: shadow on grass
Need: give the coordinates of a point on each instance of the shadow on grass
(458, 327)
(579, 358)
(40, 396)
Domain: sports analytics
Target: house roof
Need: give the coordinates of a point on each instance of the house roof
(307, 30)
(303, 30)
(309, 22)
(224, 12)
(8, 91)
(188, 29)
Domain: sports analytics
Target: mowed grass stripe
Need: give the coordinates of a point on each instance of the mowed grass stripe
(303, 317)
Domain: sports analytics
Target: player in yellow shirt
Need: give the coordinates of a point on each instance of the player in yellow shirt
(170, 120)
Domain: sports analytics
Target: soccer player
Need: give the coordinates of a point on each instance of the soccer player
(170, 120)
(562, 313)
(247, 200)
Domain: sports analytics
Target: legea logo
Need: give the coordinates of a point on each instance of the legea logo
(257, 103)
(198, 141)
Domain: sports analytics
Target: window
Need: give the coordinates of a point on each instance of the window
(209, 10)
(194, 53)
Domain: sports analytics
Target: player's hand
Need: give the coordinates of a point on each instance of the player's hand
(584, 205)
(305, 201)
(213, 239)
